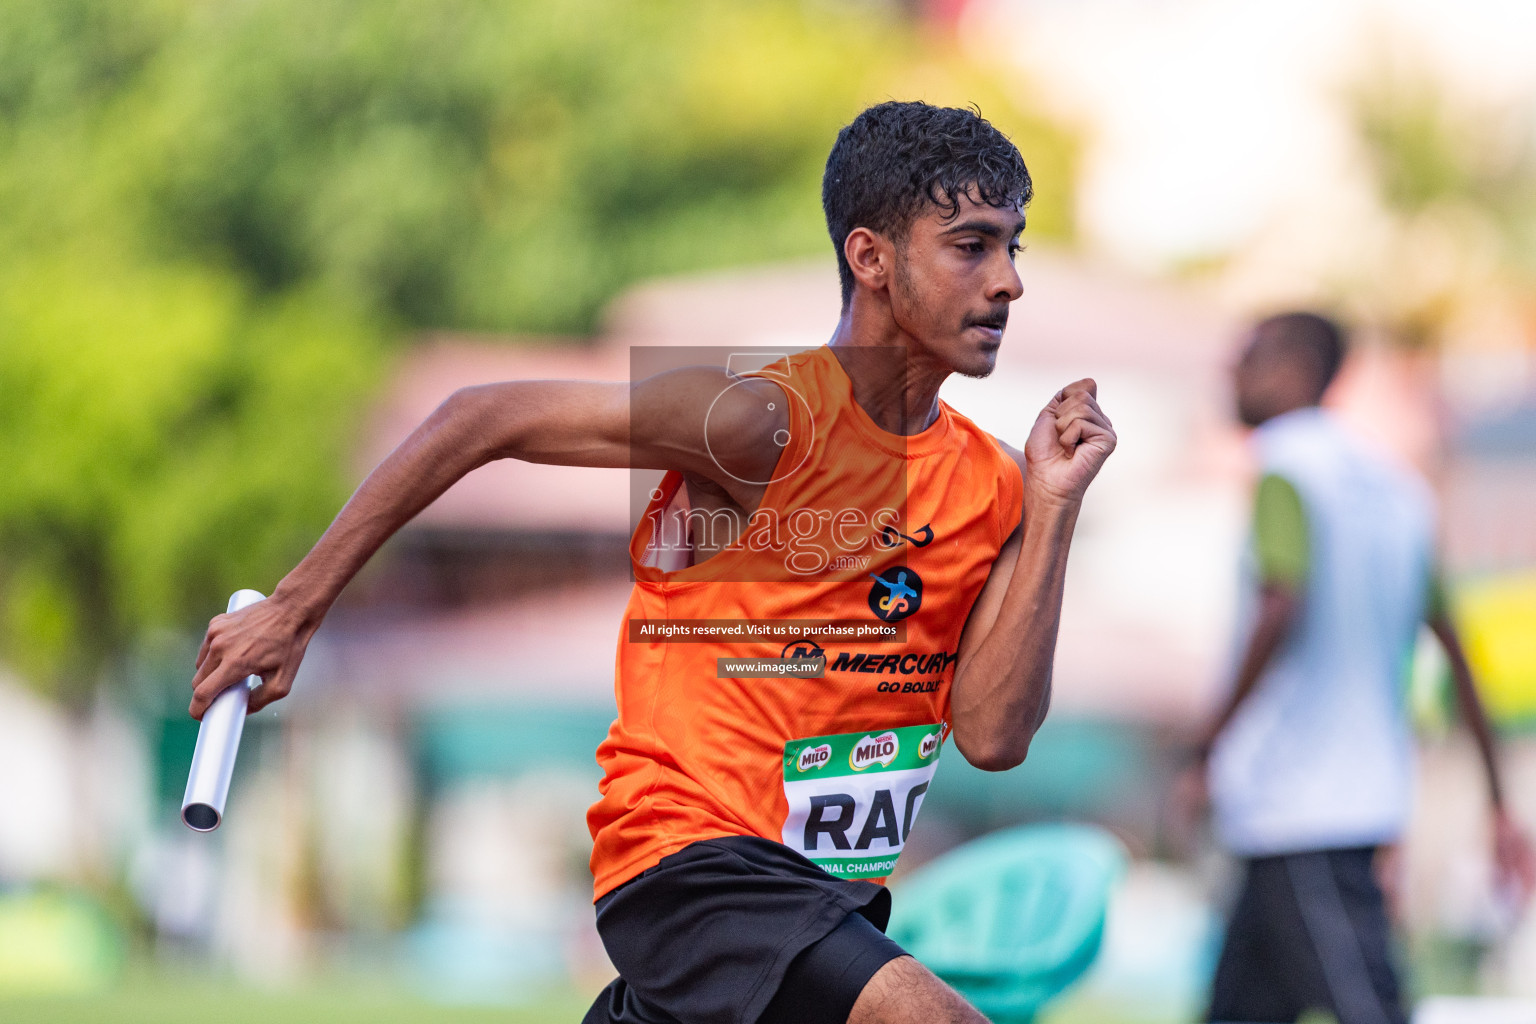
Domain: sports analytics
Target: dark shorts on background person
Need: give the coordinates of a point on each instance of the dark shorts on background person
(740, 930)
(1309, 931)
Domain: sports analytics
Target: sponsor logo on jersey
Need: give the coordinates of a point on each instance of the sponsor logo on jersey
(896, 593)
(802, 649)
(872, 750)
(814, 757)
(891, 537)
(912, 663)
(928, 746)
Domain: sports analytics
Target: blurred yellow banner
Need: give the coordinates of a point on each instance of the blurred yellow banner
(1497, 617)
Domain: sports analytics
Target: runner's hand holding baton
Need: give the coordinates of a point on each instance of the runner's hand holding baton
(218, 741)
(221, 699)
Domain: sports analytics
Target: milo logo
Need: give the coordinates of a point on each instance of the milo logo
(814, 757)
(929, 746)
(872, 750)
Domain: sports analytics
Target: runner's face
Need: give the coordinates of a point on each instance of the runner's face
(954, 280)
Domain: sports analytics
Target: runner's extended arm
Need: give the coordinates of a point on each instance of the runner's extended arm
(657, 423)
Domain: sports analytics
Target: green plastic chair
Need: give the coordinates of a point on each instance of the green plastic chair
(1011, 919)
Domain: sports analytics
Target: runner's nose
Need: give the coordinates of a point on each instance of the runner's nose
(1008, 285)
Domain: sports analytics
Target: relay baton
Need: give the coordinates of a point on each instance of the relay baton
(218, 740)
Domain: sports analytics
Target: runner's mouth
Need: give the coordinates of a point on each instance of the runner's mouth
(994, 332)
(991, 323)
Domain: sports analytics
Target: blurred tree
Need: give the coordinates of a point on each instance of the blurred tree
(510, 166)
(1457, 181)
(215, 220)
(163, 438)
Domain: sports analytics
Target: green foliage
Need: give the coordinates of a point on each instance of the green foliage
(164, 438)
(1427, 147)
(1457, 178)
(216, 218)
(460, 164)
(508, 166)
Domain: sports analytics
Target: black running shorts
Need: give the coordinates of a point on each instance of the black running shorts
(1309, 932)
(740, 930)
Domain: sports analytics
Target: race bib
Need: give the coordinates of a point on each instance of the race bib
(853, 797)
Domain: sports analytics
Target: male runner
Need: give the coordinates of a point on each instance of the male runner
(1311, 754)
(742, 820)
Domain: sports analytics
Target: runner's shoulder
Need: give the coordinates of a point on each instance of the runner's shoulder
(967, 426)
(731, 421)
(1014, 455)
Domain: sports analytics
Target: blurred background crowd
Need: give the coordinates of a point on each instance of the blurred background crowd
(244, 247)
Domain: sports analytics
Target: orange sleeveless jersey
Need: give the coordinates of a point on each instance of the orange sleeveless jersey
(859, 528)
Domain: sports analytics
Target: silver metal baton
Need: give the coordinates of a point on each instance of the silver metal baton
(218, 740)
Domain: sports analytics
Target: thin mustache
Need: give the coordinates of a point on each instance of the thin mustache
(996, 320)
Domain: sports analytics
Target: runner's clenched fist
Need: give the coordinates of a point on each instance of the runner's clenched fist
(1068, 444)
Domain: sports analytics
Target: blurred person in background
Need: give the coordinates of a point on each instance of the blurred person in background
(1309, 761)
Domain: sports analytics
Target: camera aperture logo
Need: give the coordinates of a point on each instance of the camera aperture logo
(896, 593)
(798, 530)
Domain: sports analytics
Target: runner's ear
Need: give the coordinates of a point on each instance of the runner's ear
(870, 258)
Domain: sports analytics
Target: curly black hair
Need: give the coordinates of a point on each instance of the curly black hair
(895, 159)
